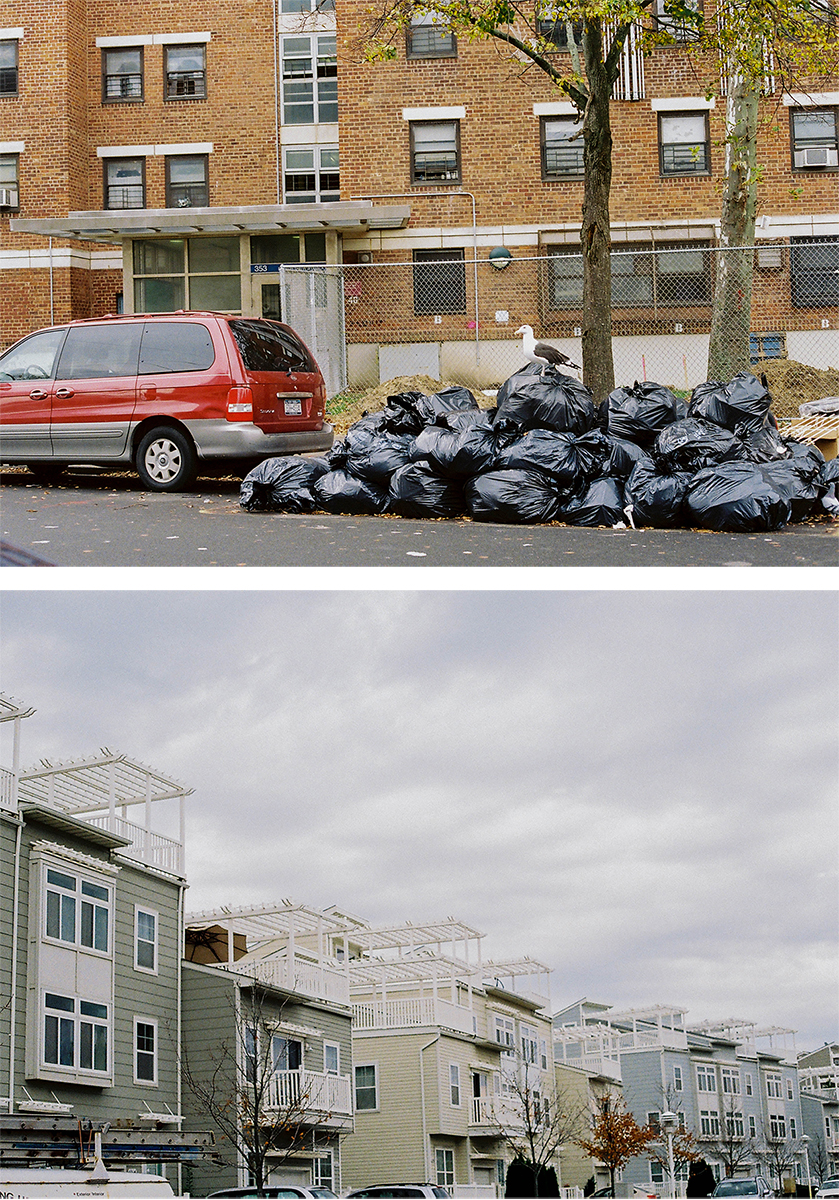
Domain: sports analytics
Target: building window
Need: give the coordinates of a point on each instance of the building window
(145, 940)
(322, 1171)
(677, 25)
(505, 1032)
(435, 151)
(815, 142)
(145, 1050)
(678, 1083)
(366, 1088)
(9, 175)
(286, 1053)
(331, 1058)
(543, 1054)
(777, 1126)
(125, 182)
(555, 28)
(792, 1128)
(730, 1081)
(562, 148)
(198, 273)
(77, 911)
(641, 278)
(790, 1092)
(439, 283)
(529, 1044)
(734, 1124)
(185, 71)
(429, 37)
(310, 80)
(310, 175)
(752, 1126)
(445, 1167)
(709, 1122)
(305, 6)
(454, 1084)
(75, 1033)
(122, 76)
(749, 1086)
(814, 268)
(684, 143)
(706, 1080)
(187, 185)
(773, 1087)
(8, 67)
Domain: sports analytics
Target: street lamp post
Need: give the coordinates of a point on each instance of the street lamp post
(806, 1140)
(669, 1123)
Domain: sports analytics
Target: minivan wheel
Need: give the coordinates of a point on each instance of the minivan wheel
(165, 460)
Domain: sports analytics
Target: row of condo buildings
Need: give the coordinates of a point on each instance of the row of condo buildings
(389, 1053)
(156, 158)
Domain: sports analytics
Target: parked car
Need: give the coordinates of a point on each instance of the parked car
(829, 1187)
(755, 1186)
(279, 1192)
(385, 1191)
(162, 391)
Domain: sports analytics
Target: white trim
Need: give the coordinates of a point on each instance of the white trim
(85, 260)
(186, 148)
(12, 147)
(149, 912)
(180, 39)
(12, 35)
(809, 100)
(85, 862)
(140, 1019)
(559, 108)
(682, 103)
(105, 43)
(453, 112)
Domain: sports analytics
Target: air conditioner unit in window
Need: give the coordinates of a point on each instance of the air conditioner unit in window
(817, 156)
(8, 197)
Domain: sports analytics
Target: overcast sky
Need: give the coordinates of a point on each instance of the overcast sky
(638, 788)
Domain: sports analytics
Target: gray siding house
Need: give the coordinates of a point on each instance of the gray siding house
(818, 1077)
(91, 927)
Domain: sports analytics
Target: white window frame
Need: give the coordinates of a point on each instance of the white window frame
(366, 1066)
(752, 1125)
(320, 57)
(730, 1081)
(709, 1123)
(76, 1019)
(773, 1087)
(318, 168)
(777, 1125)
(678, 1081)
(749, 1088)
(143, 1082)
(706, 1075)
(454, 1085)
(505, 1033)
(336, 1047)
(444, 1166)
(147, 912)
(74, 900)
(529, 1038)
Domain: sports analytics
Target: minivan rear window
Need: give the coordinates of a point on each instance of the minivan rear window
(170, 346)
(100, 352)
(266, 346)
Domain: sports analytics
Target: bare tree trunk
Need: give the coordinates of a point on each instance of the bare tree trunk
(728, 351)
(598, 366)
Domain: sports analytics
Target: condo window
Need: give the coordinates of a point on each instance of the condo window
(122, 74)
(815, 143)
(145, 932)
(684, 143)
(310, 80)
(678, 24)
(428, 36)
(145, 1050)
(557, 29)
(187, 185)
(454, 1084)
(706, 1080)
(439, 282)
(562, 148)
(709, 1122)
(366, 1087)
(185, 72)
(310, 175)
(8, 67)
(75, 1033)
(9, 181)
(125, 182)
(435, 151)
(77, 910)
(445, 1167)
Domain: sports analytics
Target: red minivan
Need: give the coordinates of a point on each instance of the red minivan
(164, 391)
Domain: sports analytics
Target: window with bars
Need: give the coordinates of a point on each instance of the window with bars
(641, 278)
(187, 184)
(429, 37)
(684, 143)
(435, 151)
(562, 148)
(310, 80)
(439, 282)
(681, 21)
(557, 29)
(185, 72)
(122, 75)
(310, 175)
(125, 182)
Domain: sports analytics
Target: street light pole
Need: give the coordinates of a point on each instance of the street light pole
(806, 1140)
(669, 1124)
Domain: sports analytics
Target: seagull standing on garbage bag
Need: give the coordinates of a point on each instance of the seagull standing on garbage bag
(541, 352)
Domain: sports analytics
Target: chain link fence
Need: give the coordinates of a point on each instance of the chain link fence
(452, 317)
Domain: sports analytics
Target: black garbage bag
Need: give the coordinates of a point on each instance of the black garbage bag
(761, 442)
(594, 450)
(416, 490)
(376, 456)
(693, 444)
(623, 456)
(401, 413)
(734, 497)
(745, 399)
(830, 473)
(546, 450)
(448, 400)
(282, 484)
(637, 413)
(810, 460)
(465, 452)
(601, 503)
(339, 492)
(552, 401)
(656, 498)
(516, 496)
(795, 484)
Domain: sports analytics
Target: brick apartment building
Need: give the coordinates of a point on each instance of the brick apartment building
(154, 157)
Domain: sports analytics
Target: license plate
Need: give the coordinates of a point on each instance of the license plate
(293, 407)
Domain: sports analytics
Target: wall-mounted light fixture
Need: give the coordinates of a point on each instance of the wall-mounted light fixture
(500, 257)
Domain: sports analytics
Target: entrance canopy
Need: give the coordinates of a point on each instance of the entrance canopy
(115, 225)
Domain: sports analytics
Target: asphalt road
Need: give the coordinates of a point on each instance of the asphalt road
(110, 521)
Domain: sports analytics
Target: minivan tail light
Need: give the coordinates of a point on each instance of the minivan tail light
(240, 404)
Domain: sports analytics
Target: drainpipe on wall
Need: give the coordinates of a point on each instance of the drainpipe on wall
(426, 1156)
(52, 288)
(277, 149)
(15, 899)
(179, 1013)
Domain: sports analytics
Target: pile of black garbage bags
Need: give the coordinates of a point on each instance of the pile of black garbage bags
(548, 453)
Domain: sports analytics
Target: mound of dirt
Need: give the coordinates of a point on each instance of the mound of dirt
(792, 383)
